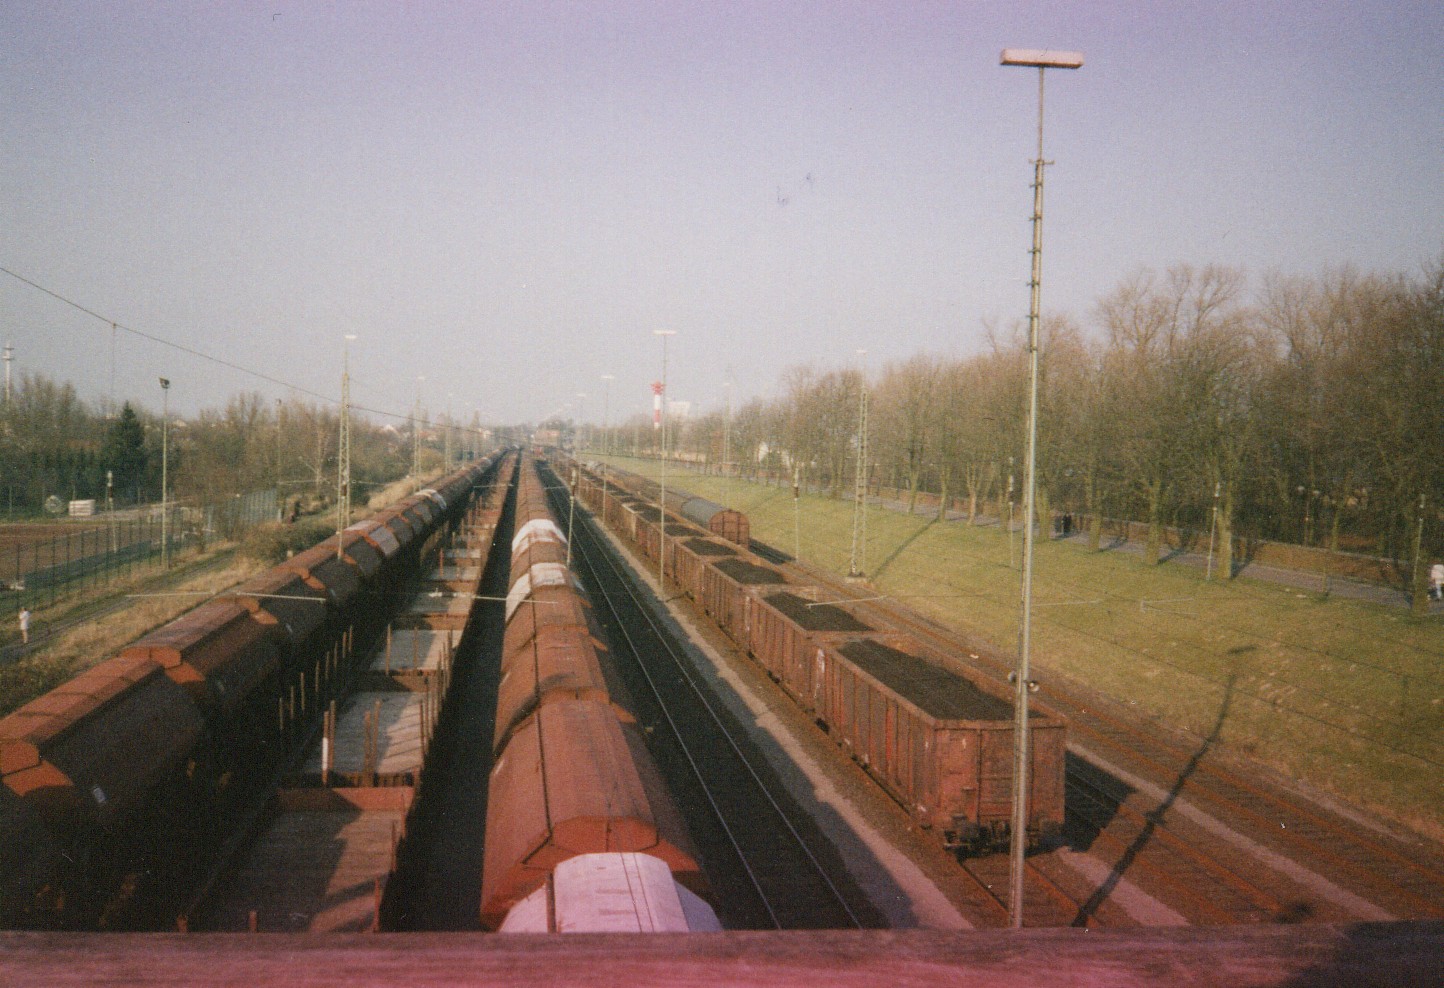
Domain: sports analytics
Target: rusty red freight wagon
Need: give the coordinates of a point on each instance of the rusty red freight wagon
(785, 628)
(297, 608)
(725, 585)
(78, 766)
(568, 782)
(220, 652)
(939, 742)
(692, 555)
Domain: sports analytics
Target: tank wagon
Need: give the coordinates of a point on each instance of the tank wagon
(572, 775)
(934, 734)
(126, 774)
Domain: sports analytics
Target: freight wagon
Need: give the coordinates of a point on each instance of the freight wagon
(114, 782)
(940, 741)
(572, 774)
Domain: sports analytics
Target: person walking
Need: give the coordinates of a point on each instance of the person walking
(24, 626)
(1436, 581)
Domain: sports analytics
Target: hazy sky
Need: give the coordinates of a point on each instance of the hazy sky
(510, 197)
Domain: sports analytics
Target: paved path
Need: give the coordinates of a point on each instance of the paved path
(1302, 579)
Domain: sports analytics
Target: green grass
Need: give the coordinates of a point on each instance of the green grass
(1347, 696)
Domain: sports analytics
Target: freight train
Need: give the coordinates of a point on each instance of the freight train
(118, 785)
(724, 522)
(572, 776)
(934, 734)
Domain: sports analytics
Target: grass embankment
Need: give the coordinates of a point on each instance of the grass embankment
(1344, 695)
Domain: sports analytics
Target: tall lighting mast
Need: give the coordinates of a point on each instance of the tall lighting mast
(661, 506)
(1042, 61)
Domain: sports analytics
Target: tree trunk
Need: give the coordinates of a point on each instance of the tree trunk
(1095, 516)
(1420, 581)
(943, 499)
(1225, 533)
(1152, 550)
(1045, 512)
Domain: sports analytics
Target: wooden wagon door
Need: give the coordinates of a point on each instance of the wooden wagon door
(995, 775)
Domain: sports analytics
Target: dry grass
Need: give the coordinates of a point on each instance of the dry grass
(88, 642)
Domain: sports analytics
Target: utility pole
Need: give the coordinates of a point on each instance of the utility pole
(796, 512)
(9, 357)
(343, 448)
(858, 563)
(416, 433)
(446, 456)
(1419, 595)
(661, 505)
(164, 474)
(727, 433)
(606, 428)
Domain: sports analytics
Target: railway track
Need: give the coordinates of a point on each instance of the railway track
(1204, 838)
(768, 867)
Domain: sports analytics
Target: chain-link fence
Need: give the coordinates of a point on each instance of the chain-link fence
(39, 564)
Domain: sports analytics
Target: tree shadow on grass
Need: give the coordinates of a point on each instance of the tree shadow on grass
(902, 546)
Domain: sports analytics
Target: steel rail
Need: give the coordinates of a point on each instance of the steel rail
(586, 555)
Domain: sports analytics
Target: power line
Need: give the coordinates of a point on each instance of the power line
(194, 352)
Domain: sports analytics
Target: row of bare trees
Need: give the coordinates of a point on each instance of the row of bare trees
(1310, 410)
(53, 444)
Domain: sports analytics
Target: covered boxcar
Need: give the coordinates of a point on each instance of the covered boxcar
(567, 783)
(724, 522)
(218, 651)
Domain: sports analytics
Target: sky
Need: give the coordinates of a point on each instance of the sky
(504, 202)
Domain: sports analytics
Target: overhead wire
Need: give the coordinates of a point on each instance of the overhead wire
(192, 351)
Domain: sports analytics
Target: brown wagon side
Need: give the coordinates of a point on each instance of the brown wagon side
(785, 627)
(100, 746)
(725, 585)
(218, 651)
(692, 557)
(939, 742)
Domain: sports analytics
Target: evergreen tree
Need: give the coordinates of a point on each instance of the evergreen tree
(124, 453)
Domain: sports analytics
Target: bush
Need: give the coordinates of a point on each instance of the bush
(273, 543)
